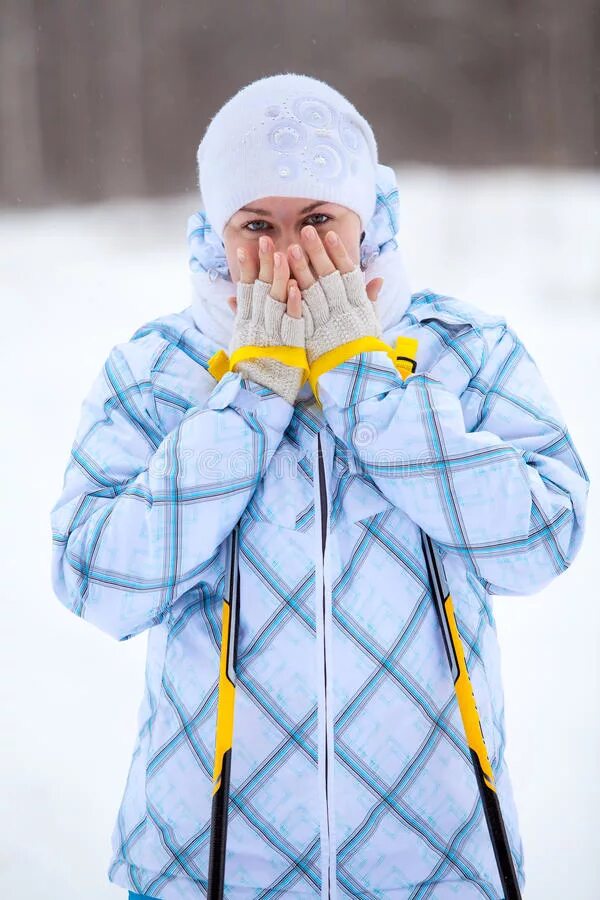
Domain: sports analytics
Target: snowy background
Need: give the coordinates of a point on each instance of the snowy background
(74, 281)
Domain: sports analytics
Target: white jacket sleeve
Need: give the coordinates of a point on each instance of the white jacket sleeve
(141, 512)
(508, 496)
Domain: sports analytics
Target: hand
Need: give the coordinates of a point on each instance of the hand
(262, 320)
(324, 259)
(337, 307)
(278, 276)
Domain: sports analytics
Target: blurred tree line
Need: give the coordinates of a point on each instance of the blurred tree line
(103, 98)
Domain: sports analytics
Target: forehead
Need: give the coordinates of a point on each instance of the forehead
(285, 206)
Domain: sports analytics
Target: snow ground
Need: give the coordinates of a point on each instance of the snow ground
(75, 281)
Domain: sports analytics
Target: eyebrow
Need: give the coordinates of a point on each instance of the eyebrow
(265, 212)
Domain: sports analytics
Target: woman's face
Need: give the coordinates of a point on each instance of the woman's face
(282, 219)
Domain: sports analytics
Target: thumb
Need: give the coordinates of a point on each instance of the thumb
(373, 288)
(232, 302)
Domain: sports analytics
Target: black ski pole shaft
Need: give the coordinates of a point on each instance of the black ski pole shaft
(471, 721)
(406, 363)
(224, 725)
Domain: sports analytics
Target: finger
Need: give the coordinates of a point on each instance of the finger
(313, 247)
(373, 288)
(265, 258)
(248, 265)
(338, 253)
(281, 277)
(232, 303)
(300, 267)
(294, 302)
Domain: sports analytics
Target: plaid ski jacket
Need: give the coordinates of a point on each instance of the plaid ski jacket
(351, 776)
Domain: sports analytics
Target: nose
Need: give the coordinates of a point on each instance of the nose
(287, 239)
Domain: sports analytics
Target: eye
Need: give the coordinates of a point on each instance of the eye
(315, 215)
(254, 222)
(325, 217)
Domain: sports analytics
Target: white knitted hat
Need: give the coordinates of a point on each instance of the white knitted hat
(287, 135)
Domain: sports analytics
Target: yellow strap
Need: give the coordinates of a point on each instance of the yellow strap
(220, 362)
(406, 355)
(337, 355)
(403, 356)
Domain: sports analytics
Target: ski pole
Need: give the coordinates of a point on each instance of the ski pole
(224, 725)
(406, 349)
(471, 721)
(406, 365)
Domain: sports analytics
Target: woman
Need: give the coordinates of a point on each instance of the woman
(350, 773)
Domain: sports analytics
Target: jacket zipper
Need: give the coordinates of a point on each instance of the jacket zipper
(324, 515)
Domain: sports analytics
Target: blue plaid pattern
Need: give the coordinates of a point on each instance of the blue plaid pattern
(472, 449)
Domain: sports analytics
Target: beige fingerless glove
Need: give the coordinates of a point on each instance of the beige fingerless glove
(263, 321)
(336, 309)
